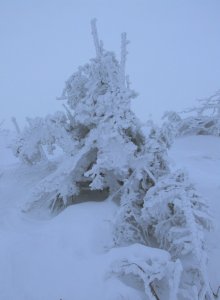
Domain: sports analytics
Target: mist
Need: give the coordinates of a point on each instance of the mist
(173, 52)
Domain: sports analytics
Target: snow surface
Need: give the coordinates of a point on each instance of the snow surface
(69, 256)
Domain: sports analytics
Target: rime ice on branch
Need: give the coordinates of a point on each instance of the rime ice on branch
(204, 119)
(124, 43)
(97, 42)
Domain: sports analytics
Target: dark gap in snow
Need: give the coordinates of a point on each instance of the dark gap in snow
(89, 195)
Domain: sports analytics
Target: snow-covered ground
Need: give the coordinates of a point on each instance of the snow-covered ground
(68, 257)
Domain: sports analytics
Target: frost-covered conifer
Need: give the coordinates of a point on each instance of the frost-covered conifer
(203, 119)
(99, 134)
(147, 169)
(154, 268)
(174, 217)
(170, 127)
(41, 137)
(104, 148)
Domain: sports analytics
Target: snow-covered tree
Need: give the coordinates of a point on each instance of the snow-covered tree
(99, 134)
(154, 269)
(170, 127)
(148, 168)
(204, 119)
(174, 217)
(104, 148)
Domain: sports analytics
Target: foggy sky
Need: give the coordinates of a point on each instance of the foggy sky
(174, 54)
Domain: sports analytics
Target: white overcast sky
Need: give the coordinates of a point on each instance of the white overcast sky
(174, 54)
